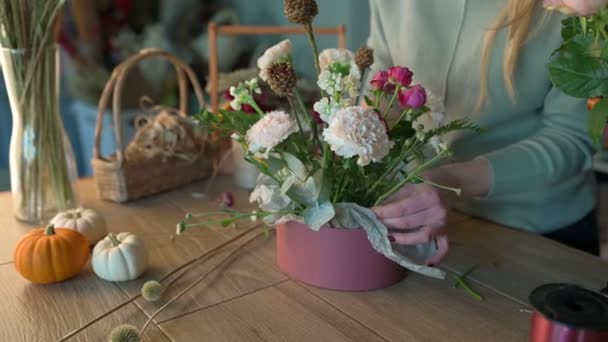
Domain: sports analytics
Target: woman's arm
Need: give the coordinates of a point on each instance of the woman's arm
(560, 149)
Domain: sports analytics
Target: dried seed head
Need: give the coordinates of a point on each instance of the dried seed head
(152, 291)
(124, 333)
(282, 78)
(301, 11)
(364, 58)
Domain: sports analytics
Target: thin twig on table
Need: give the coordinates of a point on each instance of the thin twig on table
(196, 282)
(201, 257)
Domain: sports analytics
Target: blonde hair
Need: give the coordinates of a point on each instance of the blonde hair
(517, 17)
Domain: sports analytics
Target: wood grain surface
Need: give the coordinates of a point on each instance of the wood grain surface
(249, 299)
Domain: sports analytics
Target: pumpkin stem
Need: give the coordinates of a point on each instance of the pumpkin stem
(49, 230)
(113, 239)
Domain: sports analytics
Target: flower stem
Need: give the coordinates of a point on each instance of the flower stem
(313, 44)
(391, 102)
(457, 191)
(412, 175)
(202, 257)
(295, 115)
(255, 106)
(400, 118)
(221, 264)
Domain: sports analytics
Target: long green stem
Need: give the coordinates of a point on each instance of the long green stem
(411, 176)
(295, 115)
(391, 168)
(400, 118)
(457, 191)
(255, 106)
(313, 44)
(391, 102)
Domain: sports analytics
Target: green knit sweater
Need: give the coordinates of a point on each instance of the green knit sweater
(538, 146)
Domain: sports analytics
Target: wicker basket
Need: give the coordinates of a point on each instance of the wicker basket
(119, 180)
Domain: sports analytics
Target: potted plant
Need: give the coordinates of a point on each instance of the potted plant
(321, 172)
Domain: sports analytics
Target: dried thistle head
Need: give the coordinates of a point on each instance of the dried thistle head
(301, 11)
(124, 333)
(152, 291)
(282, 78)
(364, 58)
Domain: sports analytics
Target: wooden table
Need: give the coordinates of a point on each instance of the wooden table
(251, 300)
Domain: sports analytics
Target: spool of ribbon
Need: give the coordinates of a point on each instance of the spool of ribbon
(568, 313)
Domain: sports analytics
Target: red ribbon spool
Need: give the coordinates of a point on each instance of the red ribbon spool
(568, 313)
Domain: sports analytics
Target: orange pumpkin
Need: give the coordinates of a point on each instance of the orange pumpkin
(49, 255)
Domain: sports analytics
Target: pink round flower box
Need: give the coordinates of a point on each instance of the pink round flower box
(336, 259)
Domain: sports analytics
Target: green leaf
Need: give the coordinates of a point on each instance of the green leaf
(317, 215)
(570, 28)
(577, 69)
(368, 101)
(597, 120)
(296, 167)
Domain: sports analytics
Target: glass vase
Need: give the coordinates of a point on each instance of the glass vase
(41, 159)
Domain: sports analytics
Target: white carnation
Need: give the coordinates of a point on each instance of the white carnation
(269, 131)
(271, 55)
(327, 56)
(357, 131)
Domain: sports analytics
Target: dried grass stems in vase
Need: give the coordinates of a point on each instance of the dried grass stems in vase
(325, 166)
(42, 163)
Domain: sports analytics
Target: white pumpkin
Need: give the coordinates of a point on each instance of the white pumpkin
(119, 257)
(85, 221)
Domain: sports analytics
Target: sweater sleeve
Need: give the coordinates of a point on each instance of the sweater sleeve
(561, 149)
(377, 39)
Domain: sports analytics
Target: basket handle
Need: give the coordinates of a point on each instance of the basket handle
(115, 85)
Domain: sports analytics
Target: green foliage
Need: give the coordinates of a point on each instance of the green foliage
(456, 125)
(227, 121)
(578, 73)
(597, 120)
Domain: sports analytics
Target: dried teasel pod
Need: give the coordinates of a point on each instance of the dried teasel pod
(364, 58)
(282, 78)
(300, 11)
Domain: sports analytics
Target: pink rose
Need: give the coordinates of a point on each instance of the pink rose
(576, 7)
(379, 80)
(414, 97)
(400, 75)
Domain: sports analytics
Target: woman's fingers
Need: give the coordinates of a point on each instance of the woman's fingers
(442, 250)
(435, 217)
(415, 202)
(423, 235)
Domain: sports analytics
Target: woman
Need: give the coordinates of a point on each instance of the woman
(531, 169)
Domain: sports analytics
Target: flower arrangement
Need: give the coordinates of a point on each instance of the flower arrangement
(579, 67)
(352, 151)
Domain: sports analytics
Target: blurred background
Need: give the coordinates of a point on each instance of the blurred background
(96, 35)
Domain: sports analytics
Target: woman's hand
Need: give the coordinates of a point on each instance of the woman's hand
(417, 214)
